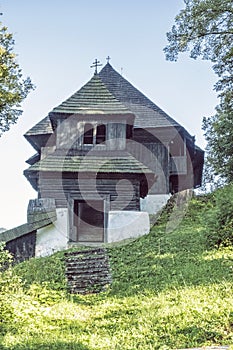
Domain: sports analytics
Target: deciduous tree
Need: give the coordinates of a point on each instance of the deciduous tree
(13, 88)
(204, 28)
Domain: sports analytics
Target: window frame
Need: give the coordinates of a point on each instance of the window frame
(90, 130)
(101, 135)
(93, 135)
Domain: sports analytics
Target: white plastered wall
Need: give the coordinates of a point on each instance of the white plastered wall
(127, 224)
(153, 203)
(54, 237)
(121, 225)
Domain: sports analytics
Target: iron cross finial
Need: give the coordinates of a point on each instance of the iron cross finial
(95, 65)
(108, 59)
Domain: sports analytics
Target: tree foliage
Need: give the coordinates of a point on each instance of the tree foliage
(219, 220)
(204, 28)
(13, 88)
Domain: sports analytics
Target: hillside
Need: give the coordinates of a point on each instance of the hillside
(171, 289)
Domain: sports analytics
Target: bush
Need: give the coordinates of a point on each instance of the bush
(49, 271)
(5, 258)
(220, 218)
(9, 283)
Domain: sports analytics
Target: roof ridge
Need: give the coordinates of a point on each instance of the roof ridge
(109, 66)
(93, 95)
(119, 94)
(126, 92)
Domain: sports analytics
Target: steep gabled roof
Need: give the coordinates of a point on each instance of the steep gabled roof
(93, 98)
(147, 113)
(108, 92)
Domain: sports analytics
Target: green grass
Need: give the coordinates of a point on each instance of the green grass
(169, 291)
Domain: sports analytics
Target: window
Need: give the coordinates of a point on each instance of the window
(100, 134)
(88, 134)
(94, 134)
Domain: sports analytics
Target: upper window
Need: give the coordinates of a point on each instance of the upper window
(100, 134)
(88, 134)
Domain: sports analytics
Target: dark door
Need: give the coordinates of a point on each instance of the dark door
(89, 220)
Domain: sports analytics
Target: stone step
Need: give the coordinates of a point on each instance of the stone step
(87, 271)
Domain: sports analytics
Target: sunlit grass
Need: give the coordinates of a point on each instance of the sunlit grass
(169, 292)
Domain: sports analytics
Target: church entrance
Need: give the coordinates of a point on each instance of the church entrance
(88, 220)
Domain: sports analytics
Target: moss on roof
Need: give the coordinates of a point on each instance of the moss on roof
(58, 162)
(44, 219)
(92, 98)
(109, 93)
(147, 113)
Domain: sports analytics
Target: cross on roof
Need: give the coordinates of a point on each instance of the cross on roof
(96, 64)
(108, 59)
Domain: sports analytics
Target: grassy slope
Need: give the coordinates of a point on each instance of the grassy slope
(169, 292)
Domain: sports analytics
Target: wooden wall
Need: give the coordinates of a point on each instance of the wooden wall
(155, 157)
(70, 134)
(124, 194)
(22, 248)
(166, 143)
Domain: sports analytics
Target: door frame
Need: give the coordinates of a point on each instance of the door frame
(72, 230)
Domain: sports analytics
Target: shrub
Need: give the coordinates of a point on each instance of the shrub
(49, 271)
(9, 283)
(5, 258)
(219, 219)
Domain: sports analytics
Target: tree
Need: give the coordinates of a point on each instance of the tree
(13, 88)
(204, 28)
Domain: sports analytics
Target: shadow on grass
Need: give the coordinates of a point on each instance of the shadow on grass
(174, 264)
(47, 346)
(197, 336)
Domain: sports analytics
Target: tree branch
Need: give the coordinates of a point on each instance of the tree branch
(201, 35)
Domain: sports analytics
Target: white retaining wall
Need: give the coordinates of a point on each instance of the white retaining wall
(153, 203)
(121, 225)
(54, 237)
(127, 224)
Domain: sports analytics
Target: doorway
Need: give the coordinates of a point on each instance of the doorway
(88, 220)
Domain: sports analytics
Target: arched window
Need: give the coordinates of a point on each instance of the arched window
(88, 134)
(100, 134)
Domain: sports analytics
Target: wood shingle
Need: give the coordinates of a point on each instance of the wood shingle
(147, 113)
(108, 92)
(101, 163)
(94, 97)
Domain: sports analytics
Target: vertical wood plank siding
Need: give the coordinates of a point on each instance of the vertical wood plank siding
(155, 157)
(70, 133)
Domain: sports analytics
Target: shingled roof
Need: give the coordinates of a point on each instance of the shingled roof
(40, 133)
(97, 163)
(43, 220)
(92, 98)
(41, 128)
(147, 113)
(108, 92)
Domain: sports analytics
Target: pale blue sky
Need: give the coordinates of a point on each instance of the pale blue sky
(57, 41)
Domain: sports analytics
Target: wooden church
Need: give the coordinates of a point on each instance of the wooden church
(105, 159)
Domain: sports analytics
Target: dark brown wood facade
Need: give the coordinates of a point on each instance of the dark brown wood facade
(89, 201)
(106, 147)
(118, 193)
